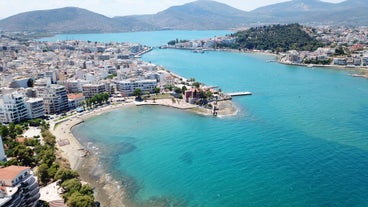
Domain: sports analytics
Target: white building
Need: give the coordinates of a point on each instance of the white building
(35, 108)
(18, 187)
(75, 100)
(127, 87)
(12, 108)
(54, 97)
(89, 90)
(75, 86)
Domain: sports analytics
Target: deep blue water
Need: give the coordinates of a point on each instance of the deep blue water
(301, 139)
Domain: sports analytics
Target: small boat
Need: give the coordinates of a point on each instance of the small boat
(198, 51)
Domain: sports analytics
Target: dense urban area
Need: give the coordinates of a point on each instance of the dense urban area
(41, 81)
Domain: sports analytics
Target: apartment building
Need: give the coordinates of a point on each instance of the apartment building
(89, 90)
(54, 97)
(35, 108)
(12, 108)
(127, 87)
(18, 187)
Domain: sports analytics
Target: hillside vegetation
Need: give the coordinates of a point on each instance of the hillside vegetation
(279, 38)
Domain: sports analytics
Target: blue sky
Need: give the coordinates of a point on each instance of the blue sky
(119, 7)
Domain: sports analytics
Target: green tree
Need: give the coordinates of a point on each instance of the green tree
(30, 83)
(4, 131)
(157, 90)
(70, 186)
(339, 51)
(18, 129)
(86, 190)
(137, 92)
(177, 90)
(51, 172)
(99, 98)
(183, 89)
(209, 94)
(169, 87)
(42, 173)
(64, 174)
(46, 155)
(34, 122)
(11, 128)
(24, 155)
(48, 138)
(105, 97)
(79, 200)
(196, 84)
(83, 104)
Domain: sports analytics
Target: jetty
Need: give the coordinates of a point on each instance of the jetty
(242, 93)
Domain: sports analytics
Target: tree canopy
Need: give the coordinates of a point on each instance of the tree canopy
(278, 38)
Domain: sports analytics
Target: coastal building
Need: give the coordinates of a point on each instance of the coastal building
(35, 108)
(75, 100)
(18, 187)
(191, 95)
(75, 86)
(293, 56)
(89, 90)
(127, 87)
(54, 97)
(12, 108)
(339, 61)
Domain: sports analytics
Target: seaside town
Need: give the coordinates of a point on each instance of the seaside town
(53, 82)
(43, 84)
(343, 47)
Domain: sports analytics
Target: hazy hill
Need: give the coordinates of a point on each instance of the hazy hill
(69, 19)
(200, 15)
(203, 14)
(349, 12)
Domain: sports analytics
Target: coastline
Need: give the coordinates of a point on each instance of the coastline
(363, 71)
(110, 192)
(107, 191)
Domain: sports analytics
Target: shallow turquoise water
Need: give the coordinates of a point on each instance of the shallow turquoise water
(301, 139)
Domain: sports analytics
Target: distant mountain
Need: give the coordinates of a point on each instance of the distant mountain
(203, 14)
(349, 12)
(69, 19)
(199, 15)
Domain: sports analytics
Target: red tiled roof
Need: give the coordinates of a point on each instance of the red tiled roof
(11, 172)
(75, 95)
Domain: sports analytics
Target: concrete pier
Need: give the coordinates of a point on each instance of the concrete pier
(243, 93)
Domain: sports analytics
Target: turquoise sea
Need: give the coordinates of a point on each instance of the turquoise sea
(300, 140)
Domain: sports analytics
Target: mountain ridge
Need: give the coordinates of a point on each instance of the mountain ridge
(197, 15)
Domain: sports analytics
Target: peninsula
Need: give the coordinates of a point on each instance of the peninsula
(322, 46)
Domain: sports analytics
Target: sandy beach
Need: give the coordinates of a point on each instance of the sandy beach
(107, 191)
